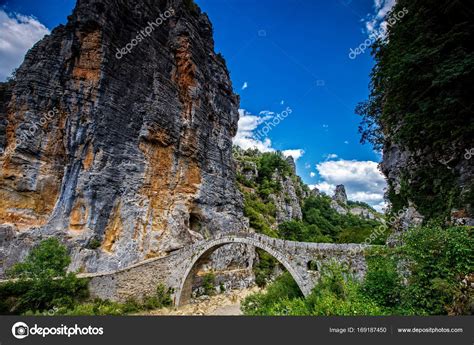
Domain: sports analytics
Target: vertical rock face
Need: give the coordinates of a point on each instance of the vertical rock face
(288, 201)
(116, 141)
(340, 194)
(447, 175)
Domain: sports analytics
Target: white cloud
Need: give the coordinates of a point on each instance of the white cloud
(266, 113)
(307, 166)
(18, 33)
(362, 179)
(282, 102)
(245, 137)
(376, 20)
(245, 85)
(346, 142)
(312, 174)
(296, 154)
(331, 156)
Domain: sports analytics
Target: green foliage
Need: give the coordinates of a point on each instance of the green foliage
(161, 299)
(264, 268)
(383, 282)
(321, 223)
(208, 283)
(437, 259)
(420, 99)
(94, 243)
(336, 294)
(269, 162)
(433, 260)
(260, 214)
(283, 288)
(48, 259)
(41, 282)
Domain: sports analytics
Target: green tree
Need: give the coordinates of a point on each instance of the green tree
(42, 281)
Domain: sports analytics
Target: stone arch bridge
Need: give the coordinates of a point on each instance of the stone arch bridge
(301, 259)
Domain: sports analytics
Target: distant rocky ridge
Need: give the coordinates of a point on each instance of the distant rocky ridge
(341, 204)
(292, 192)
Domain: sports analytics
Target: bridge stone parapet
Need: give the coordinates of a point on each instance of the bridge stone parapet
(302, 260)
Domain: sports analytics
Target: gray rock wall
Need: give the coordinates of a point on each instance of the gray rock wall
(130, 152)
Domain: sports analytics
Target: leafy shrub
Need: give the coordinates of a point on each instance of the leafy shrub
(337, 293)
(161, 298)
(94, 243)
(208, 283)
(383, 282)
(264, 268)
(42, 282)
(284, 287)
(437, 260)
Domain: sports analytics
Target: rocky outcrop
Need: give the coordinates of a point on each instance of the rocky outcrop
(362, 212)
(287, 202)
(290, 198)
(428, 181)
(401, 222)
(340, 194)
(343, 206)
(339, 200)
(117, 133)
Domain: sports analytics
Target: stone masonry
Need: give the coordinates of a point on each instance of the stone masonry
(176, 270)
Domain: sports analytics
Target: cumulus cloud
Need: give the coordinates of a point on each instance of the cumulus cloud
(246, 139)
(296, 153)
(312, 174)
(376, 20)
(245, 136)
(246, 85)
(18, 33)
(362, 179)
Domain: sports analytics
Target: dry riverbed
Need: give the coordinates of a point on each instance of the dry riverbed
(227, 303)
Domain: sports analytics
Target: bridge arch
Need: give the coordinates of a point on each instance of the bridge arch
(211, 246)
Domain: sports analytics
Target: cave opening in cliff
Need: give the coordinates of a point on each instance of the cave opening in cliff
(195, 222)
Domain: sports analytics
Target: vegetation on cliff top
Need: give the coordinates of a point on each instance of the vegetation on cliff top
(320, 223)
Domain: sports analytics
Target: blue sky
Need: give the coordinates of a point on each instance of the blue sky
(282, 54)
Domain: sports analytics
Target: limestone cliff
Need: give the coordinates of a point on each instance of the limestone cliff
(116, 136)
(271, 179)
(343, 206)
